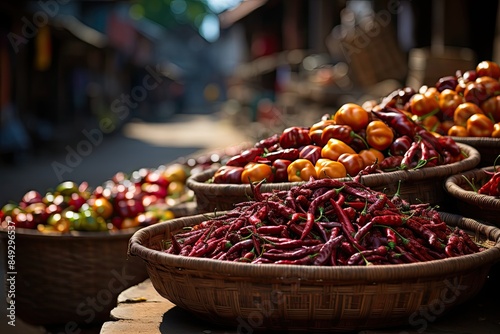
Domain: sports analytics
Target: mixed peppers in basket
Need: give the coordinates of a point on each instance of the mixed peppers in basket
(463, 104)
(341, 145)
(325, 222)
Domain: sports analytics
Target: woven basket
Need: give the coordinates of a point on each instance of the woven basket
(488, 148)
(313, 298)
(469, 203)
(420, 185)
(57, 275)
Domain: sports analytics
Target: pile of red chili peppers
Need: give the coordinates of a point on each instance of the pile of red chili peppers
(324, 222)
(492, 185)
(419, 147)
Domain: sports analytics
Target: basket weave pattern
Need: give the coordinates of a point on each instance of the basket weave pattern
(488, 148)
(469, 203)
(292, 297)
(420, 185)
(58, 273)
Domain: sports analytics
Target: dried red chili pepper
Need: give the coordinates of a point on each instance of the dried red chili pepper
(400, 145)
(363, 230)
(239, 246)
(391, 163)
(356, 257)
(294, 254)
(325, 253)
(286, 154)
(271, 229)
(424, 232)
(411, 156)
(389, 220)
(347, 226)
(398, 120)
(268, 142)
(303, 261)
(176, 247)
(259, 216)
(245, 157)
(450, 145)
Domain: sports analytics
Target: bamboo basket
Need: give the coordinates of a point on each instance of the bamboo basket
(311, 298)
(488, 148)
(469, 203)
(420, 185)
(57, 274)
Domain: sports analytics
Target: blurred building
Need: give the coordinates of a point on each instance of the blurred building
(70, 65)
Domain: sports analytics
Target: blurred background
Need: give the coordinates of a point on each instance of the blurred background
(73, 70)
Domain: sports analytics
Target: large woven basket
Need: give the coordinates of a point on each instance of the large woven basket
(60, 277)
(420, 185)
(313, 298)
(488, 148)
(469, 203)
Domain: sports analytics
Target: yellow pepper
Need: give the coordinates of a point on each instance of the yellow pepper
(334, 148)
(301, 170)
(326, 168)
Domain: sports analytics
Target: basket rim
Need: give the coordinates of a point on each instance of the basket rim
(197, 182)
(453, 187)
(302, 272)
(478, 141)
(32, 233)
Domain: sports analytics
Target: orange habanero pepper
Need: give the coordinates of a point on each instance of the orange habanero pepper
(353, 115)
(379, 135)
(334, 148)
(316, 130)
(326, 168)
(496, 130)
(423, 104)
(370, 156)
(479, 125)
(464, 111)
(255, 172)
(457, 131)
(301, 170)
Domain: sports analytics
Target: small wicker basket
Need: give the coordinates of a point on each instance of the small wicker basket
(469, 203)
(312, 298)
(488, 148)
(420, 185)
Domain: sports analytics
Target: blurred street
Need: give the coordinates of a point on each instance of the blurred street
(138, 144)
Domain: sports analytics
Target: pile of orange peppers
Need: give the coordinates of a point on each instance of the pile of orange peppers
(337, 146)
(465, 104)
